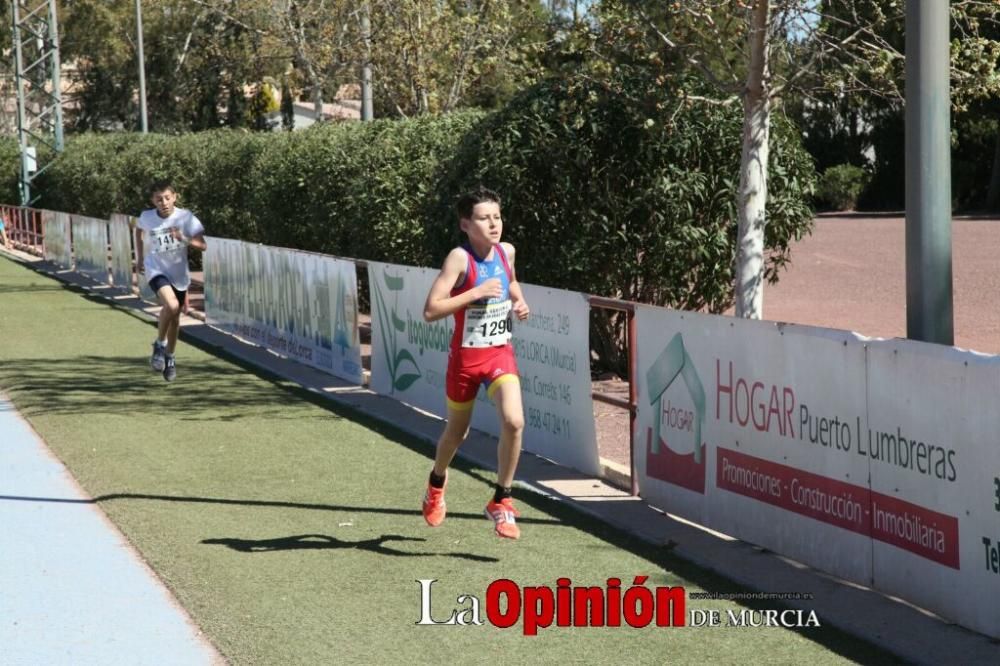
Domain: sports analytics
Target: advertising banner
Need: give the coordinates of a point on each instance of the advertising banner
(935, 477)
(750, 428)
(90, 247)
(120, 232)
(57, 247)
(298, 304)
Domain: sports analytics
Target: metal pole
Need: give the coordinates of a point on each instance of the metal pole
(633, 400)
(22, 136)
(142, 67)
(929, 312)
(56, 75)
(366, 69)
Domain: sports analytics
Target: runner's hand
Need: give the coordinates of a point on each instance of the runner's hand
(520, 310)
(492, 288)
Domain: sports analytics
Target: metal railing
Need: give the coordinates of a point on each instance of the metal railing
(628, 307)
(24, 228)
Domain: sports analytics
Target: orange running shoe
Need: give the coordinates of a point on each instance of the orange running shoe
(434, 507)
(503, 514)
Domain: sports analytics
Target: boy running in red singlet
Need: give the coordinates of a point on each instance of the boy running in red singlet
(478, 285)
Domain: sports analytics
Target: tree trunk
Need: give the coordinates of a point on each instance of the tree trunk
(317, 94)
(749, 282)
(423, 102)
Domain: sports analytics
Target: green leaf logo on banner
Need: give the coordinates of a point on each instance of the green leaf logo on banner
(403, 382)
(392, 282)
(398, 323)
(391, 326)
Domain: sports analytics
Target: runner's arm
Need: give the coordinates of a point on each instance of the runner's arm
(440, 303)
(518, 305)
(197, 241)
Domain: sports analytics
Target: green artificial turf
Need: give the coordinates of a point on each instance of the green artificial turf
(291, 530)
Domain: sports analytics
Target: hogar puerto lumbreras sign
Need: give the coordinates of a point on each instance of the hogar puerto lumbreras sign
(410, 359)
(802, 445)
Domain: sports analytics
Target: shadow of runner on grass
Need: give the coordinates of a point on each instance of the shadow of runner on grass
(90, 384)
(324, 542)
(392, 511)
(54, 278)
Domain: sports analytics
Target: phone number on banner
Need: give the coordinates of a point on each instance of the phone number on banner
(549, 422)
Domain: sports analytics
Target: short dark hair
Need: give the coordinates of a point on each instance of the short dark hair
(468, 201)
(161, 185)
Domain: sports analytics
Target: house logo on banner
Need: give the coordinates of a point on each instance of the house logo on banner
(675, 452)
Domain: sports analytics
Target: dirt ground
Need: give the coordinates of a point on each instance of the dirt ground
(849, 274)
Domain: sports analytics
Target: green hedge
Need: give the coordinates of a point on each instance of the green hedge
(616, 187)
(354, 190)
(346, 189)
(841, 185)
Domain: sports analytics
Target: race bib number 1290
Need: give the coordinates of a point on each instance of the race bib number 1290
(487, 325)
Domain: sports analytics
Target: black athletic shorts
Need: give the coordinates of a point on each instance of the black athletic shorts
(159, 281)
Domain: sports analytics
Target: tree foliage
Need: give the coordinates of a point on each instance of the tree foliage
(439, 56)
(851, 107)
(206, 59)
(618, 186)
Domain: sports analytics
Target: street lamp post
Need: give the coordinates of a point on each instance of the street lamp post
(142, 68)
(929, 315)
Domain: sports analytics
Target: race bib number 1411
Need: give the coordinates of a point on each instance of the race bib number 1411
(163, 241)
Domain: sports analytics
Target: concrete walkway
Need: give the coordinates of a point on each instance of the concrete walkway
(909, 632)
(72, 591)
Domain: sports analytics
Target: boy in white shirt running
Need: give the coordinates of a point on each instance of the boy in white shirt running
(167, 232)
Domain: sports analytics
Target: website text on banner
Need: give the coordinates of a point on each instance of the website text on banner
(301, 305)
(410, 357)
(771, 433)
